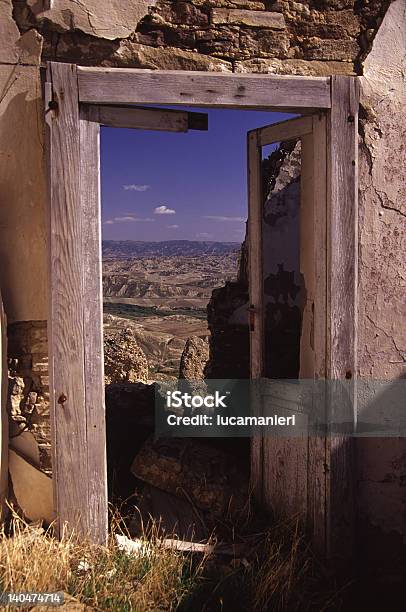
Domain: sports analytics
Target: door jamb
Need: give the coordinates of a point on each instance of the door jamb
(75, 336)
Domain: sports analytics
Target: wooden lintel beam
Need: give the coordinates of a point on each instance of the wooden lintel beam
(132, 86)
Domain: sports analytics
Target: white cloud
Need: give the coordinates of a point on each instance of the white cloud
(128, 219)
(173, 226)
(164, 210)
(135, 187)
(204, 235)
(220, 218)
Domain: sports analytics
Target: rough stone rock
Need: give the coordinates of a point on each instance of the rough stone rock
(30, 48)
(207, 476)
(220, 41)
(16, 397)
(263, 43)
(294, 66)
(324, 23)
(242, 4)
(142, 56)
(258, 19)
(181, 13)
(109, 19)
(124, 360)
(317, 49)
(28, 399)
(32, 489)
(9, 33)
(194, 358)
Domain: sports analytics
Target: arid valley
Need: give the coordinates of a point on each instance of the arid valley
(155, 296)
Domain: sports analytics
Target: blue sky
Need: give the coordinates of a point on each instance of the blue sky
(178, 186)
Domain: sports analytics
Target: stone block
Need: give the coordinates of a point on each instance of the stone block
(336, 50)
(109, 19)
(260, 43)
(142, 56)
(252, 5)
(180, 13)
(218, 41)
(294, 67)
(255, 19)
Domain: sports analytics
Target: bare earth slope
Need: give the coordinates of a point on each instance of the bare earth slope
(160, 291)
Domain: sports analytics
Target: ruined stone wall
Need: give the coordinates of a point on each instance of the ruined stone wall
(28, 400)
(314, 37)
(306, 37)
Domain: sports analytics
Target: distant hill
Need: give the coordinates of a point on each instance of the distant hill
(170, 248)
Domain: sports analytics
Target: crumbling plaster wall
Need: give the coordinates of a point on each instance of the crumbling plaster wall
(382, 267)
(309, 37)
(22, 176)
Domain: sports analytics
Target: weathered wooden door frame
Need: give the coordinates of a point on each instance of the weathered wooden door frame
(294, 491)
(75, 316)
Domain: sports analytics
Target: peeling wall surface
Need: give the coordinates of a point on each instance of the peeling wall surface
(308, 37)
(382, 269)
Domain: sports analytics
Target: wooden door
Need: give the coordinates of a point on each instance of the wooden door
(75, 331)
(288, 472)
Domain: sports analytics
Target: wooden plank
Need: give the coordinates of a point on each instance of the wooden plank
(306, 241)
(255, 252)
(286, 130)
(141, 118)
(285, 458)
(93, 326)
(319, 154)
(3, 412)
(255, 264)
(342, 267)
(65, 334)
(131, 86)
(317, 483)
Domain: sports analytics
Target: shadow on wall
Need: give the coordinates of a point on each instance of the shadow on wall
(23, 270)
(284, 290)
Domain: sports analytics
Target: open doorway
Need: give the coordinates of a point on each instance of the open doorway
(176, 303)
(80, 99)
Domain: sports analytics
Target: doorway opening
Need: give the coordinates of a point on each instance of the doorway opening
(78, 100)
(176, 301)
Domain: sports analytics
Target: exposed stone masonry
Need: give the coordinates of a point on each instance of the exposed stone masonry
(28, 402)
(314, 37)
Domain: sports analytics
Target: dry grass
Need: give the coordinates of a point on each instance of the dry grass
(278, 574)
(104, 578)
(289, 576)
